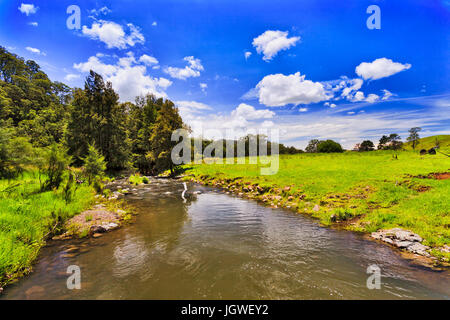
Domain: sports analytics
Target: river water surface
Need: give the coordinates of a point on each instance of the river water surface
(218, 246)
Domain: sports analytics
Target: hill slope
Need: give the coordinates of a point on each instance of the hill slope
(429, 142)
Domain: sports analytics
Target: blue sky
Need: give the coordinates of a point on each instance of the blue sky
(311, 69)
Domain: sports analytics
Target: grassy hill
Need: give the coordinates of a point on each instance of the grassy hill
(429, 142)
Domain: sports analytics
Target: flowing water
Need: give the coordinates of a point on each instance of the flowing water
(218, 246)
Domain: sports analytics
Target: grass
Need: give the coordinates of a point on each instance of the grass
(363, 191)
(137, 179)
(28, 217)
(429, 142)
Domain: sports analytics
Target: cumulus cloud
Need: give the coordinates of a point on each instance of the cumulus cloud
(191, 70)
(34, 24)
(303, 109)
(28, 9)
(380, 68)
(113, 34)
(128, 76)
(271, 42)
(148, 60)
(250, 113)
(278, 90)
(203, 86)
(247, 54)
(35, 50)
(154, 24)
(372, 98)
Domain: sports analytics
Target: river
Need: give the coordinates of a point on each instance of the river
(219, 246)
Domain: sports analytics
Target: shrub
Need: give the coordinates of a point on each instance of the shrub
(329, 146)
(15, 153)
(53, 165)
(94, 164)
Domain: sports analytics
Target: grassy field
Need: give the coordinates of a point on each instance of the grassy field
(363, 191)
(27, 217)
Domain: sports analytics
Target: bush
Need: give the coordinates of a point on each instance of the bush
(53, 165)
(94, 164)
(15, 153)
(329, 146)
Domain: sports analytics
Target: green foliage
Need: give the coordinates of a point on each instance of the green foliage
(414, 136)
(161, 144)
(97, 118)
(15, 153)
(28, 217)
(54, 165)
(94, 164)
(366, 145)
(329, 146)
(136, 179)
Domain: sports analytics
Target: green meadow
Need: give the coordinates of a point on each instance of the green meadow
(361, 191)
(28, 217)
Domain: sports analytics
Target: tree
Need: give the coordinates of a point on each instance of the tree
(97, 118)
(312, 146)
(366, 145)
(167, 121)
(383, 141)
(395, 143)
(414, 136)
(94, 164)
(329, 146)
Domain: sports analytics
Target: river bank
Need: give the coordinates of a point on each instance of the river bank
(359, 192)
(219, 246)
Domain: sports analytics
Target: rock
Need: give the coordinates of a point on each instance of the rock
(97, 235)
(1, 290)
(316, 208)
(419, 248)
(286, 189)
(97, 229)
(290, 198)
(110, 226)
(402, 239)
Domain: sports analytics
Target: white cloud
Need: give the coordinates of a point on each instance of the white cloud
(332, 105)
(34, 24)
(113, 34)
(71, 76)
(96, 65)
(386, 94)
(349, 87)
(271, 42)
(28, 9)
(191, 70)
(303, 109)
(148, 60)
(351, 112)
(380, 68)
(250, 113)
(104, 10)
(154, 24)
(35, 50)
(128, 77)
(372, 98)
(247, 54)
(203, 86)
(278, 90)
